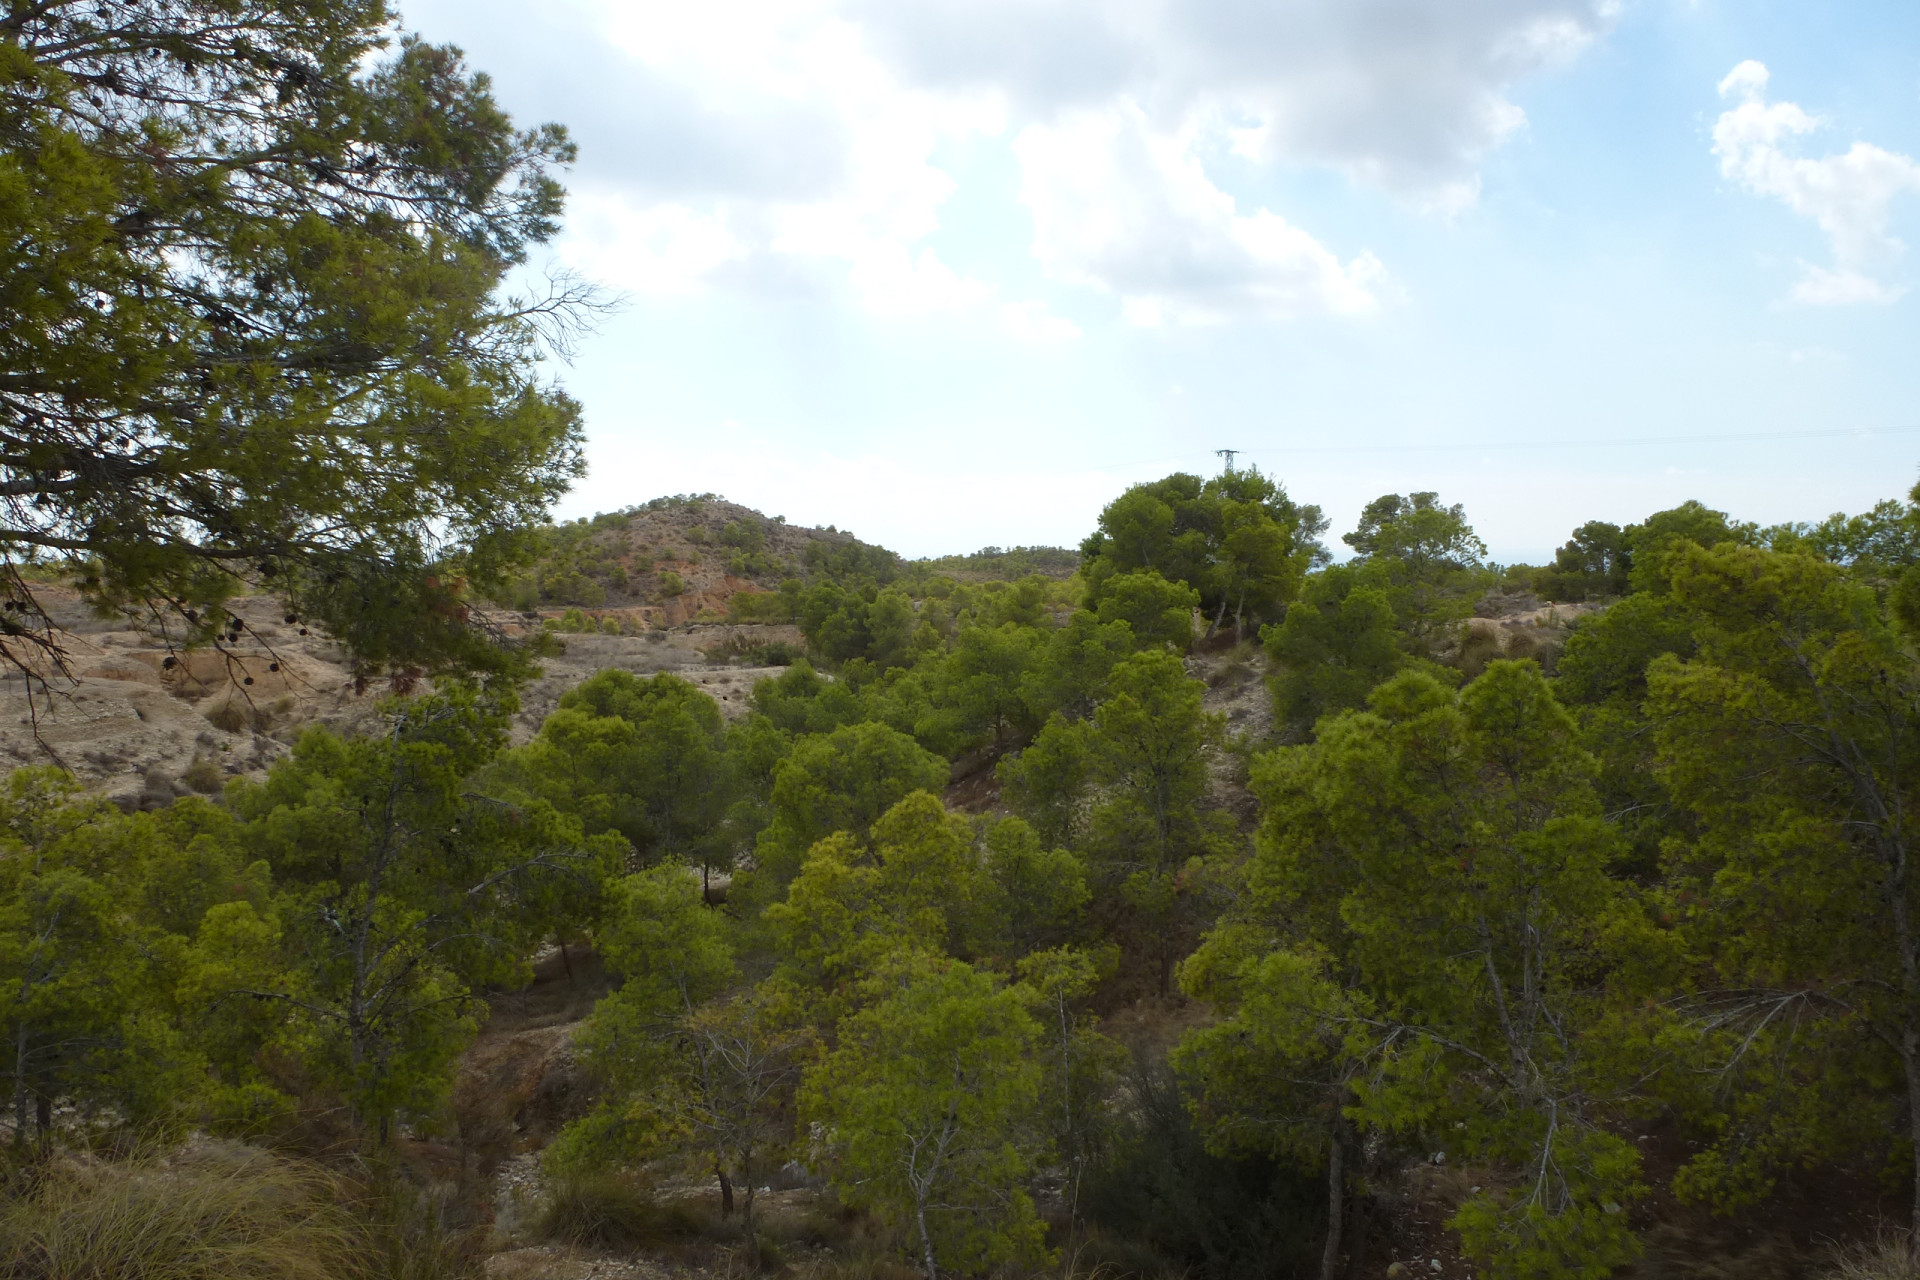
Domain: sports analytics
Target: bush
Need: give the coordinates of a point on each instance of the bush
(230, 714)
(609, 1211)
(204, 775)
(221, 1212)
(776, 653)
(671, 583)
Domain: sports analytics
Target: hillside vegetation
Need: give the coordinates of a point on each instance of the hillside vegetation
(1215, 910)
(701, 558)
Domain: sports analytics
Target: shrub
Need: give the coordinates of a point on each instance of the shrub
(776, 653)
(231, 714)
(204, 775)
(610, 1211)
(671, 583)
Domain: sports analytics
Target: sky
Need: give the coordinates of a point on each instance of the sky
(954, 273)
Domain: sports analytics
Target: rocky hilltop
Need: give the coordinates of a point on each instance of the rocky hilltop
(679, 560)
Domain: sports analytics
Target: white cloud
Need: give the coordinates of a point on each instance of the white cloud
(1405, 94)
(656, 249)
(1849, 194)
(1133, 214)
(1031, 322)
(803, 144)
(819, 170)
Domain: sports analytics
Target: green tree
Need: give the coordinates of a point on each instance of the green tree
(982, 688)
(1274, 1074)
(1789, 737)
(1080, 1063)
(643, 757)
(1594, 562)
(1879, 545)
(1418, 530)
(926, 1106)
(799, 701)
(891, 629)
(400, 892)
(1423, 554)
(834, 620)
(110, 926)
(1029, 896)
(839, 781)
(254, 327)
(1148, 828)
(1435, 871)
(1653, 544)
(1128, 789)
(1072, 675)
(74, 963)
(851, 907)
(681, 1070)
(1336, 643)
(1047, 782)
(672, 953)
(1159, 611)
(1237, 540)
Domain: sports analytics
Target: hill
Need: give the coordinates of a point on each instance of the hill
(683, 558)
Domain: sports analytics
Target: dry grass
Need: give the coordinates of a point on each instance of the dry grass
(221, 1212)
(1890, 1255)
(233, 714)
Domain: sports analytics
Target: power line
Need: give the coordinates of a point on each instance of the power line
(1614, 442)
(1854, 433)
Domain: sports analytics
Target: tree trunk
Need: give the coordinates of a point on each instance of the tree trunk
(1357, 1236)
(1336, 1201)
(726, 1192)
(1910, 1062)
(927, 1262)
(566, 961)
(20, 1086)
(746, 1218)
(43, 1115)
